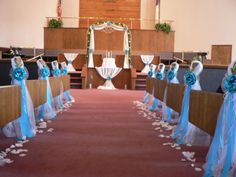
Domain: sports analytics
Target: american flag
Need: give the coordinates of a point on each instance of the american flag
(59, 9)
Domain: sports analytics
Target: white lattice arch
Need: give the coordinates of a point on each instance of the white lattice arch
(102, 26)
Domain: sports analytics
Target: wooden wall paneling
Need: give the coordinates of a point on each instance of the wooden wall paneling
(84, 76)
(10, 104)
(174, 96)
(143, 41)
(38, 91)
(139, 65)
(66, 82)
(221, 54)
(73, 37)
(109, 41)
(159, 89)
(124, 77)
(55, 83)
(204, 108)
(133, 78)
(53, 38)
(110, 10)
(97, 59)
(78, 63)
(120, 61)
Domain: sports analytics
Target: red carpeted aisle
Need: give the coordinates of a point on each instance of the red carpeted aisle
(100, 136)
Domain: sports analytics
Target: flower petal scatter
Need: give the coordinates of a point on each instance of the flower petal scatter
(230, 83)
(190, 78)
(19, 74)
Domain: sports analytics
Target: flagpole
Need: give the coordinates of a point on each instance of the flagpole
(159, 11)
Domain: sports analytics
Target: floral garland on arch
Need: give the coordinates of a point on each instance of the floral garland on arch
(101, 25)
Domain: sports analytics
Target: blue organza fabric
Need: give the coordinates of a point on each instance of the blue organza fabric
(67, 98)
(182, 127)
(221, 157)
(159, 76)
(166, 111)
(24, 126)
(58, 102)
(45, 111)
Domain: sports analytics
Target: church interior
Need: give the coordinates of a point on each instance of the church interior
(111, 88)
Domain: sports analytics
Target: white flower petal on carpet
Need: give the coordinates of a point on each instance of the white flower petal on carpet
(18, 145)
(197, 169)
(22, 155)
(50, 130)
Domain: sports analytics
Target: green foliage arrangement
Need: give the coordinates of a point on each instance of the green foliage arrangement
(55, 23)
(165, 27)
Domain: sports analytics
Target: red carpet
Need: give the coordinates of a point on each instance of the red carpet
(100, 136)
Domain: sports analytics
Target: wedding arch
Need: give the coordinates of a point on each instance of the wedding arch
(109, 26)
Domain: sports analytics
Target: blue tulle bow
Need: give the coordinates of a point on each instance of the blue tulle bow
(170, 75)
(109, 78)
(190, 78)
(44, 72)
(230, 83)
(19, 73)
(56, 72)
(64, 71)
(159, 75)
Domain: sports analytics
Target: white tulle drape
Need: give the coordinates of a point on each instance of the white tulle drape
(70, 57)
(92, 44)
(108, 74)
(147, 60)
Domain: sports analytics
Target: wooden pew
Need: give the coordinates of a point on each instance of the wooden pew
(55, 83)
(204, 108)
(38, 91)
(66, 82)
(174, 97)
(150, 85)
(10, 104)
(159, 89)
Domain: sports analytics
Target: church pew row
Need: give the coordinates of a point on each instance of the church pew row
(37, 91)
(203, 108)
(10, 102)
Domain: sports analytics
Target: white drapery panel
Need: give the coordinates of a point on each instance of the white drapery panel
(108, 74)
(70, 57)
(115, 27)
(147, 60)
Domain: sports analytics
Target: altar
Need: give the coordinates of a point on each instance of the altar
(108, 71)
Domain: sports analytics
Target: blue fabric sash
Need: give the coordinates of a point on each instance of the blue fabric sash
(182, 127)
(24, 120)
(46, 110)
(224, 139)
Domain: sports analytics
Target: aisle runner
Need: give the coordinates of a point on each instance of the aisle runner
(165, 131)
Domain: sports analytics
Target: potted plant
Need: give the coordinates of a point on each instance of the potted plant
(55, 23)
(165, 27)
